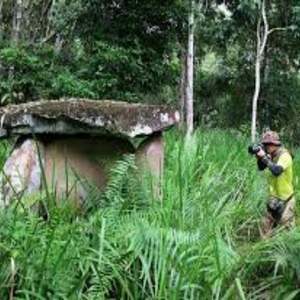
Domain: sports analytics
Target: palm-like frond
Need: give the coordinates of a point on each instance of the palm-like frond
(199, 242)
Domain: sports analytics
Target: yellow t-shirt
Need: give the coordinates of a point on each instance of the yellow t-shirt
(281, 186)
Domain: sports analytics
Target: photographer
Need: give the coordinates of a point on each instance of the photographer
(281, 204)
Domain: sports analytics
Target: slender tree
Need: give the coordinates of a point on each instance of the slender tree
(190, 70)
(182, 99)
(262, 35)
(17, 22)
(16, 31)
(1, 20)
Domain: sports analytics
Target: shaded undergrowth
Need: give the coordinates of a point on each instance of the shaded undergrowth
(199, 241)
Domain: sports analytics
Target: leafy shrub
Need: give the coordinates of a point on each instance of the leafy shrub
(67, 84)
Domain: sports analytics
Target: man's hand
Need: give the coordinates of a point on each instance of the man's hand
(261, 153)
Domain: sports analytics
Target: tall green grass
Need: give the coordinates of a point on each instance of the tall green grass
(199, 241)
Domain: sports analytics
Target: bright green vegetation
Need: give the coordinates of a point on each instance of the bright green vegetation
(201, 242)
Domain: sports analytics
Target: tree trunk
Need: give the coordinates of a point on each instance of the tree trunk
(17, 22)
(256, 94)
(260, 48)
(58, 43)
(182, 99)
(16, 32)
(190, 71)
(26, 18)
(1, 20)
(46, 22)
(265, 83)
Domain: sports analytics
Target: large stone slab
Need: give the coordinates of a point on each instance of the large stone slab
(74, 116)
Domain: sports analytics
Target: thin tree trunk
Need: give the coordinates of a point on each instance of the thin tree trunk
(26, 26)
(58, 43)
(48, 32)
(46, 19)
(16, 33)
(261, 45)
(257, 86)
(182, 99)
(1, 20)
(190, 72)
(17, 22)
(265, 80)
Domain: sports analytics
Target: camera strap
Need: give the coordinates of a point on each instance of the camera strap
(277, 207)
(288, 199)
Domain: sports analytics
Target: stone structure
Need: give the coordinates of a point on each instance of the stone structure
(70, 141)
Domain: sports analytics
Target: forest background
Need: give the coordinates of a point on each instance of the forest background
(136, 51)
(202, 240)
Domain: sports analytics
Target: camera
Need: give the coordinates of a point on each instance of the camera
(255, 148)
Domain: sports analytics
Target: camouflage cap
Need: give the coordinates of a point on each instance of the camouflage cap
(271, 137)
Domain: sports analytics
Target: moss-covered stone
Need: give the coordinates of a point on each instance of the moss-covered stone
(73, 116)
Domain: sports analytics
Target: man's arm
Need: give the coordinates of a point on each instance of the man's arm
(263, 161)
(261, 164)
(275, 169)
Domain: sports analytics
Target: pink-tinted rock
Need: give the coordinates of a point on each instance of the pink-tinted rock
(21, 173)
(75, 165)
(150, 158)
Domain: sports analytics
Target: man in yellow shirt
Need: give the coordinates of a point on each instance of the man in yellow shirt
(281, 205)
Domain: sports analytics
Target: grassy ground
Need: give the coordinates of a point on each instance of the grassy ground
(200, 242)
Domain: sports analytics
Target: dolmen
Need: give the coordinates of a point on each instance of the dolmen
(58, 142)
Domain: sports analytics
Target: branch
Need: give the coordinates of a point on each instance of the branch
(279, 29)
(47, 8)
(47, 38)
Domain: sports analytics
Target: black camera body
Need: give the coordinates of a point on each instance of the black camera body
(255, 148)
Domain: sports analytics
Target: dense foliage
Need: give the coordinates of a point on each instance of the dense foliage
(133, 51)
(93, 49)
(200, 242)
